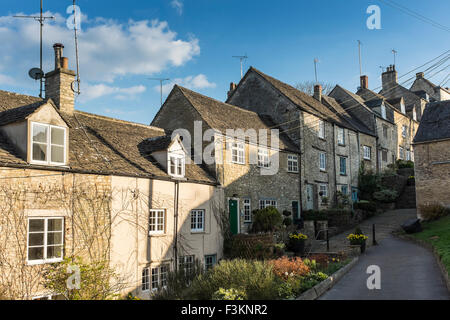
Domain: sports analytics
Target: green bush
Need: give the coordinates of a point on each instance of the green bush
(385, 195)
(368, 182)
(401, 164)
(255, 278)
(433, 211)
(365, 205)
(229, 294)
(287, 221)
(266, 220)
(314, 215)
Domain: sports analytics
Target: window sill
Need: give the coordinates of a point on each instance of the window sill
(39, 262)
(343, 174)
(157, 235)
(292, 171)
(341, 145)
(198, 232)
(241, 163)
(323, 171)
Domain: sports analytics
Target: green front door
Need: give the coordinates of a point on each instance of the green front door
(234, 219)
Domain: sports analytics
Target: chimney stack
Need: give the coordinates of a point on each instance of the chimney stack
(389, 78)
(58, 83)
(233, 87)
(318, 92)
(419, 75)
(364, 82)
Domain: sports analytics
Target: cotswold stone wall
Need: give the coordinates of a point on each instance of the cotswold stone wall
(432, 173)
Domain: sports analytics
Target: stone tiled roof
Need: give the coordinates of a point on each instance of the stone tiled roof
(20, 113)
(222, 116)
(98, 144)
(309, 104)
(435, 122)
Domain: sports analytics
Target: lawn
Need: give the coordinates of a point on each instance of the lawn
(437, 233)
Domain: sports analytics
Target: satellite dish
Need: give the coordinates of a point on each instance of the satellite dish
(36, 74)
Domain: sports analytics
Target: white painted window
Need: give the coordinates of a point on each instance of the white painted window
(186, 263)
(267, 203)
(408, 155)
(197, 220)
(341, 136)
(367, 152)
(177, 165)
(322, 161)
(157, 221)
(404, 131)
(45, 240)
(263, 158)
(321, 132)
(292, 163)
(159, 277)
(323, 190)
(238, 153)
(247, 210)
(145, 286)
(48, 144)
(383, 111)
(210, 261)
(402, 108)
(401, 153)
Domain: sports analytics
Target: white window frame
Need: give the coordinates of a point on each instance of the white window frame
(402, 108)
(48, 145)
(45, 245)
(145, 282)
(263, 157)
(196, 222)
(179, 160)
(247, 210)
(321, 132)
(186, 263)
(292, 163)
(238, 152)
(383, 111)
(367, 153)
(158, 273)
(404, 131)
(157, 225)
(401, 153)
(323, 161)
(264, 203)
(408, 155)
(325, 195)
(341, 136)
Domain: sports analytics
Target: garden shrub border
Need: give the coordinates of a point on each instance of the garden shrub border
(319, 289)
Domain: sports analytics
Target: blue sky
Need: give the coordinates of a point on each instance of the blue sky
(123, 43)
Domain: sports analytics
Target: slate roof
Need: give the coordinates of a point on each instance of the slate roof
(222, 116)
(410, 98)
(97, 144)
(20, 113)
(435, 123)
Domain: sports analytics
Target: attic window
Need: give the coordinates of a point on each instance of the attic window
(48, 144)
(176, 165)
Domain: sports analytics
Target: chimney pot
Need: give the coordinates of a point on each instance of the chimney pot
(58, 47)
(318, 92)
(364, 82)
(419, 75)
(233, 87)
(65, 63)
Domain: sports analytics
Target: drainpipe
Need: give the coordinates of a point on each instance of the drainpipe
(175, 218)
(334, 164)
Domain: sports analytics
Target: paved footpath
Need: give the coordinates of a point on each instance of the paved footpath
(408, 271)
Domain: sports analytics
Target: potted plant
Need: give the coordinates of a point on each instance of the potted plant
(297, 242)
(358, 239)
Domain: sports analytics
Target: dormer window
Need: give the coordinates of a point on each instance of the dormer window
(48, 144)
(402, 107)
(176, 165)
(383, 111)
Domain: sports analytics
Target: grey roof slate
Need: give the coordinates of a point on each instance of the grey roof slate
(435, 123)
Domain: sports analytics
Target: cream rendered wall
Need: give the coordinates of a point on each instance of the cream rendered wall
(132, 249)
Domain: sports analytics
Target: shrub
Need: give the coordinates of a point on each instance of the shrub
(285, 267)
(433, 211)
(401, 164)
(229, 294)
(290, 288)
(368, 182)
(321, 259)
(315, 215)
(365, 205)
(386, 195)
(287, 221)
(266, 220)
(255, 278)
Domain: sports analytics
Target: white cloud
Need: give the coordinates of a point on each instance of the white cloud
(198, 82)
(7, 80)
(178, 5)
(108, 49)
(91, 92)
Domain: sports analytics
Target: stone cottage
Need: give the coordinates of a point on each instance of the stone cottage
(432, 156)
(79, 184)
(425, 88)
(331, 141)
(254, 170)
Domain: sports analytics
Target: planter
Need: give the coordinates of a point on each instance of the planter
(320, 230)
(362, 245)
(298, 246)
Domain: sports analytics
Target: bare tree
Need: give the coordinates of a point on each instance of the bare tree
(308, 87)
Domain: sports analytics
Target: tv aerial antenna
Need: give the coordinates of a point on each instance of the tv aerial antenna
(161, 80)
(315, 68)
(242, 59)
(76, 84)
(38, 73)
